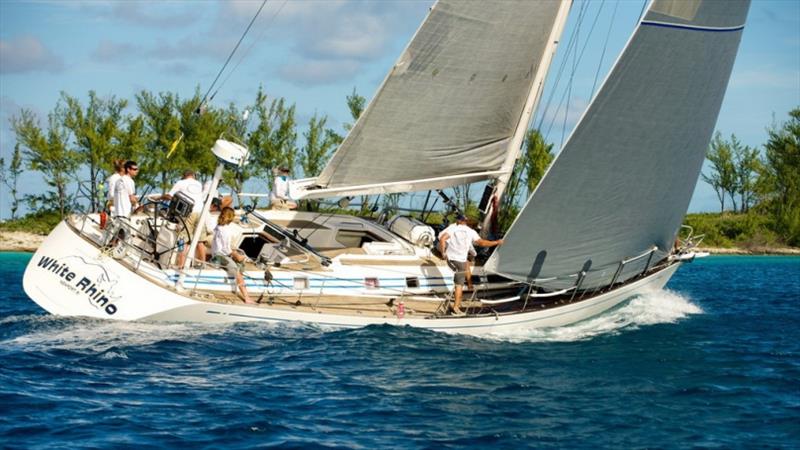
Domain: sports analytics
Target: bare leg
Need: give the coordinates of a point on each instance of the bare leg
(457, 303)
(181, 258)
(200, 252)
(243, 288)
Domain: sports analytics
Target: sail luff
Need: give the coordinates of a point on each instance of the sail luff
(625, 176)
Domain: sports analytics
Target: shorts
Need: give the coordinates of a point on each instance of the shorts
(280, 204)
(191, 223)
(228, 264)
(459, 271)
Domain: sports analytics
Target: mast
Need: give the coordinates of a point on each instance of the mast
(535, 94)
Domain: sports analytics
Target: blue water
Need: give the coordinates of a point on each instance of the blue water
(714, 361)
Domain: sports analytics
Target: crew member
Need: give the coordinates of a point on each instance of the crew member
(454, 244)
(125, 191)
(189, 187)
(279, 197)
(111, 182)
(229, 259)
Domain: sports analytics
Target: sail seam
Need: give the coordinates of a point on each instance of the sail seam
(691, 27)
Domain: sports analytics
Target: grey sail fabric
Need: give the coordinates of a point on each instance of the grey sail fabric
(451, 103)
(623, 181)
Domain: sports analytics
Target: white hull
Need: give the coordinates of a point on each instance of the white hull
(69, 276)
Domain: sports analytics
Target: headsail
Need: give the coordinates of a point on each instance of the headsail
(448, 109)
(623, 181)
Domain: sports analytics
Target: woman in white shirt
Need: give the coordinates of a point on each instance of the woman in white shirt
(111, 182)
(230, 260)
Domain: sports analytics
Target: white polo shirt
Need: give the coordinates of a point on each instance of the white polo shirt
(192, 189)
(459, 241)
(123, 189)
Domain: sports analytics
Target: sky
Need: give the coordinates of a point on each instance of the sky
(315, 52)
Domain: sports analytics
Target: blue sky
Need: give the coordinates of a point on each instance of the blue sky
(314, 52)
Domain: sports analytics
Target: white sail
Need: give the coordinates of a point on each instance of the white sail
(447, 111)
(622, 183)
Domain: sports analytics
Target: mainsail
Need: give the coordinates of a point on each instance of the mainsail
(622, 183)
(448, 109)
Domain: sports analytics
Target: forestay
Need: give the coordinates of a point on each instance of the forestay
(623, 181)
(448, 108)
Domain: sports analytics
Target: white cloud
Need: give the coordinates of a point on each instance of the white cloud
(333, 40)
(154, 14)
(108, 51)
(27, 54)
(313, 72)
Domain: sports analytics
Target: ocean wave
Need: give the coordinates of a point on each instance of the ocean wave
(657, 307)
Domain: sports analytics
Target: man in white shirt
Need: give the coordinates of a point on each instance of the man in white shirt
(279, 197)
(125, 191)
(191, 188)
(455, 242)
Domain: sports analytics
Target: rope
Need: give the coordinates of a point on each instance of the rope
(205, 97)
(256, 40)
(605, 46)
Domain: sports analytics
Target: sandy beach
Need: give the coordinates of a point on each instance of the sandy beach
(19, 241)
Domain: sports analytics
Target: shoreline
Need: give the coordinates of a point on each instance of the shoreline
(21, 241)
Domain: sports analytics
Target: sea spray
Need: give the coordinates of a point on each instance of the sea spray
(662, 306)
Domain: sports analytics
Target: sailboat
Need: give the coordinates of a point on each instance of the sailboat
(599, 229)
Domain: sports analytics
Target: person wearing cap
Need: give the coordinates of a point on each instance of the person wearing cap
(454, 244)
(279, 197)
(192, 189)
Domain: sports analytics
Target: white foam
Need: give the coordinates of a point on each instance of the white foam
(656, 307)
(98, 336)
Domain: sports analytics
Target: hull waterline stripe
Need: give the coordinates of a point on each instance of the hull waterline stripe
(692, 27)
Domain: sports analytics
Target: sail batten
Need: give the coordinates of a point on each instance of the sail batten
(451, 104)
(623, 181)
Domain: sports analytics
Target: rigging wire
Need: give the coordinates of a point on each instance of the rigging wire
(641, 13)
(570, 44)
(577, 58)
(605, 46)
(576, 62)
(210, 88)
(253, 44)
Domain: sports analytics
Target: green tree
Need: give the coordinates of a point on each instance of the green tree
(272, 143)
(200, 128)
(356, 104)
(96, 131)
(10, 176)
(723, 171)
(530, 166)
(162, 127)
(320, 141)
(747, 166)
(536, 158)
(782, 177)
(48, 152)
